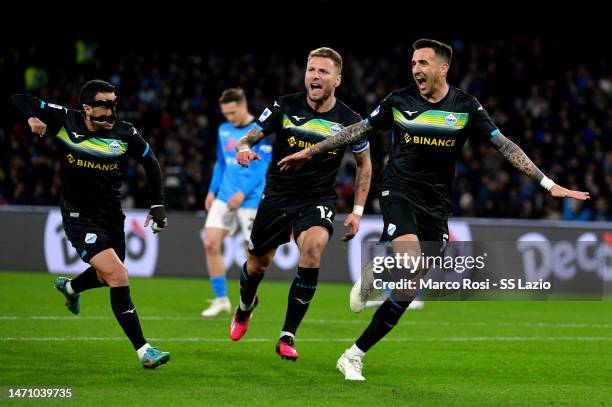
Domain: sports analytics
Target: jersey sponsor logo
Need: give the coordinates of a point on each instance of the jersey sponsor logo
(376, 111)
(91, 238)
(265, 114)
(78, 162)
(305, 144)
(451, 120)
(114, 147)
(410, 113)
(224, 133)
(429, 141)
(335, 129)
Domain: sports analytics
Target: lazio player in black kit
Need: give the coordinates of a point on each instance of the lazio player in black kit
(92, 144)
(300, 204)
(431, 122)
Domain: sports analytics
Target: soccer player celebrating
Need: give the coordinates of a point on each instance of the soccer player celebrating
(303, 203)
(431, 121)
(92, 143)
(234, 192)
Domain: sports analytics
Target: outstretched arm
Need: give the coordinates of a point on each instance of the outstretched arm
(244, 145)
(38, 113)
(519, 159)
(349, 135)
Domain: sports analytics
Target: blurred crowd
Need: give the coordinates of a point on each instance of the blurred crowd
(554, 105)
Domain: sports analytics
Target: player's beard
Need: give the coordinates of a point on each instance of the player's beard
(319, 100)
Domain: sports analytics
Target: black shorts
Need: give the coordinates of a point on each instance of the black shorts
(402, 218)
(277, 218)
(89, 237)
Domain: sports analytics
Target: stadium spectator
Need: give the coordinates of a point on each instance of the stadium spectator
(557, 109)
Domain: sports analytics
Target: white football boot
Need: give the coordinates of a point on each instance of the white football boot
(350, 366)
(217, 306)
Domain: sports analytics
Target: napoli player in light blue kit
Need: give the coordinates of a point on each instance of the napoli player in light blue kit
(234, 193)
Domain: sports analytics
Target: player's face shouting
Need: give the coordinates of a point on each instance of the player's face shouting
(322, 78)
(104, 113)
(427, 70)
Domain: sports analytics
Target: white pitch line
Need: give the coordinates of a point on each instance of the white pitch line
(316, 340)
(319, 321)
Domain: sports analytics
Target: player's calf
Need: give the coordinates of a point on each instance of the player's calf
(300, 296)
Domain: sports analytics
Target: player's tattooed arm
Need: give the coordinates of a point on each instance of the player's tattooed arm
(253, 137)
(348, 135)
(243, 147)
(363, 176)
(517, 157)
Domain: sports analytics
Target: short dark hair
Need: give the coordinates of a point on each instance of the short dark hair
(232, 95)
(326, 52)
(441, 49)
(92, 88)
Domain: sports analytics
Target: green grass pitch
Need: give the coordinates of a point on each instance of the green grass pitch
(450, 353)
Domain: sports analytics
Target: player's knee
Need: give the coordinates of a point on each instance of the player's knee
(257, 265)
(212, 246)
(256, 268)
(116, 276)
(311, 255)
(101, 277)
(309, 262)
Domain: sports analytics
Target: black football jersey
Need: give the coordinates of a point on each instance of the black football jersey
(298, 126)
(427, 140)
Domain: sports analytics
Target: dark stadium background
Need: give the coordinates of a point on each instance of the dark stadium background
(542, 70)
(548, 90)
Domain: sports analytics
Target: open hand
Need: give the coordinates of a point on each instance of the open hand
(295, 161)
